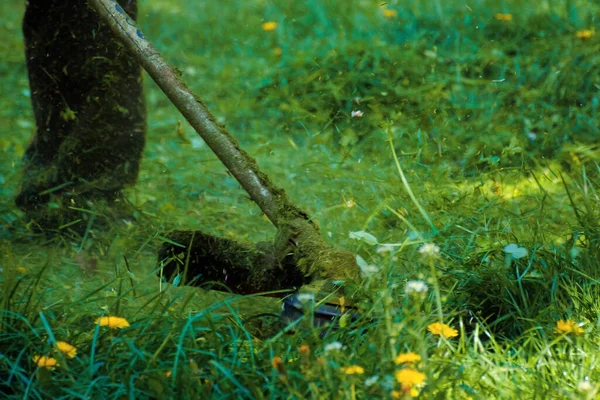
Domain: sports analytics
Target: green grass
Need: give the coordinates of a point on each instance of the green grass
(495, 128)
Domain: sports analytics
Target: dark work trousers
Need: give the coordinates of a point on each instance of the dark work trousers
(90, 115)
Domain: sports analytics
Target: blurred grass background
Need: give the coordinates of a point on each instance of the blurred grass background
(488, 116)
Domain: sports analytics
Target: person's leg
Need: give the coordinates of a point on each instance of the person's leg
(89, 109)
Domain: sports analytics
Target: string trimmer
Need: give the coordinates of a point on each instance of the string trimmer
(298, 256)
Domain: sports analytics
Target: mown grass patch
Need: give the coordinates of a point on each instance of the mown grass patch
(494, 123)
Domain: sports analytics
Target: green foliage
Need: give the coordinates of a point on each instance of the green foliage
(494, 124)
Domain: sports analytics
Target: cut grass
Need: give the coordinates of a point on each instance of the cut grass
(495, 128)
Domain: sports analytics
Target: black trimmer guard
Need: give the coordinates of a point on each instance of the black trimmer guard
(324, 313)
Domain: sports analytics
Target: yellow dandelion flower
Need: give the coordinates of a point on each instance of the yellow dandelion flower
(401, 394)
(113, 322)
(397, 394)
(504, 17)
(407, 358)
(304, 354)
(390, 13)
(278, 364)
(584, 34)
(354, 370)
(67, 349)
(442, 330)
(168, 373)
(409, 378)
(269, 26)
(45, 361)
(568, 326)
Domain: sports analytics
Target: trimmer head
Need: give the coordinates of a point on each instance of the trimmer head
(325, 312)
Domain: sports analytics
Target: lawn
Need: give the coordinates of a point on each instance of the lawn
(452, 146)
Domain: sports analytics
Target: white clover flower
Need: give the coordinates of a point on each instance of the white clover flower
(305, 298)
(357, 114)
(419, 287)
(429, 250)
(333, 346)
